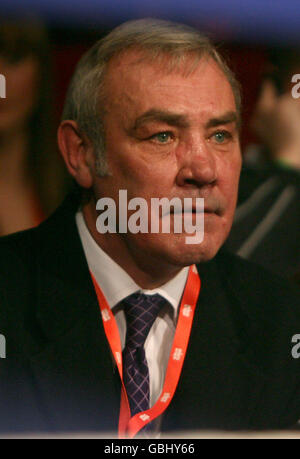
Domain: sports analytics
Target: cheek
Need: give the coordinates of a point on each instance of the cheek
(232, 165)
(140, 173)
(229, 180)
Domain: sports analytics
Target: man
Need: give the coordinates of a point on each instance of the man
(153, 110)
(267, 218)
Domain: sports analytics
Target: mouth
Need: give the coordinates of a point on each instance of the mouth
(194, 210)
(210, 210)
(194, 206)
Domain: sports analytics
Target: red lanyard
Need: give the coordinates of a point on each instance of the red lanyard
(129, 426)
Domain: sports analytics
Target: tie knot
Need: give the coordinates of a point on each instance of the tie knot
(141, 311)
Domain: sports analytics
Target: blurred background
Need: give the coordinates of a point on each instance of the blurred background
(40, 43)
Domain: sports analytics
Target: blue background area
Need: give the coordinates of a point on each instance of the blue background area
(273, 21)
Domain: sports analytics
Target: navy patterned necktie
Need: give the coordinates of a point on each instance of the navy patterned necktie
(141, 311)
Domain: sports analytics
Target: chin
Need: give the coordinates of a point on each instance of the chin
(197, 254)
(176, 252)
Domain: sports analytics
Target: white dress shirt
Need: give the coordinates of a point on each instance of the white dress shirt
(116, 285)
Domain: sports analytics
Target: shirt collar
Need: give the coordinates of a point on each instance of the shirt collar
(115, 283)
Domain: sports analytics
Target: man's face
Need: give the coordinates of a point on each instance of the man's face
(172, 135)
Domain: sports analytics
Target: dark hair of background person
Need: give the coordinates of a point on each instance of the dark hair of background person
(282, 64)
(17, 41)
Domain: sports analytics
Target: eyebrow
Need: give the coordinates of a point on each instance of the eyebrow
(178, 120)
(173, 119)
(227, 118)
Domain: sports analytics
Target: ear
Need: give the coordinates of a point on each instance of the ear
(77, 152)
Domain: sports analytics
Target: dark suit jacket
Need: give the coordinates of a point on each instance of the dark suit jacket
(59, 376)
(268, 196)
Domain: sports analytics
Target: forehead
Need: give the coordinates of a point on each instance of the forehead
(134, 85)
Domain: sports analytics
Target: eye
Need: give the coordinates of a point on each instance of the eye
(222, 136)
(162, 137)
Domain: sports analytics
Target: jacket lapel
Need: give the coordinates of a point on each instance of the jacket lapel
(71, 366)
(219, 387)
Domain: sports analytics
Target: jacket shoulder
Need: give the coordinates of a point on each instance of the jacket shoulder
(17, 245)
(254, 278)
(247, 272)
(266, 306)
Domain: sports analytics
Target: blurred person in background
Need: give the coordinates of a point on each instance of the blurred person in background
(267, 219)
(32, 178)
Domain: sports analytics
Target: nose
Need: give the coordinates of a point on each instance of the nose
(197, 165)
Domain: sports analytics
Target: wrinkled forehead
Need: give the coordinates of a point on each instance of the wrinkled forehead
(165, 62)
(135, 75)
(135, 62)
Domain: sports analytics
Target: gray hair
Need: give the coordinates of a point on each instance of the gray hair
(156, 39)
